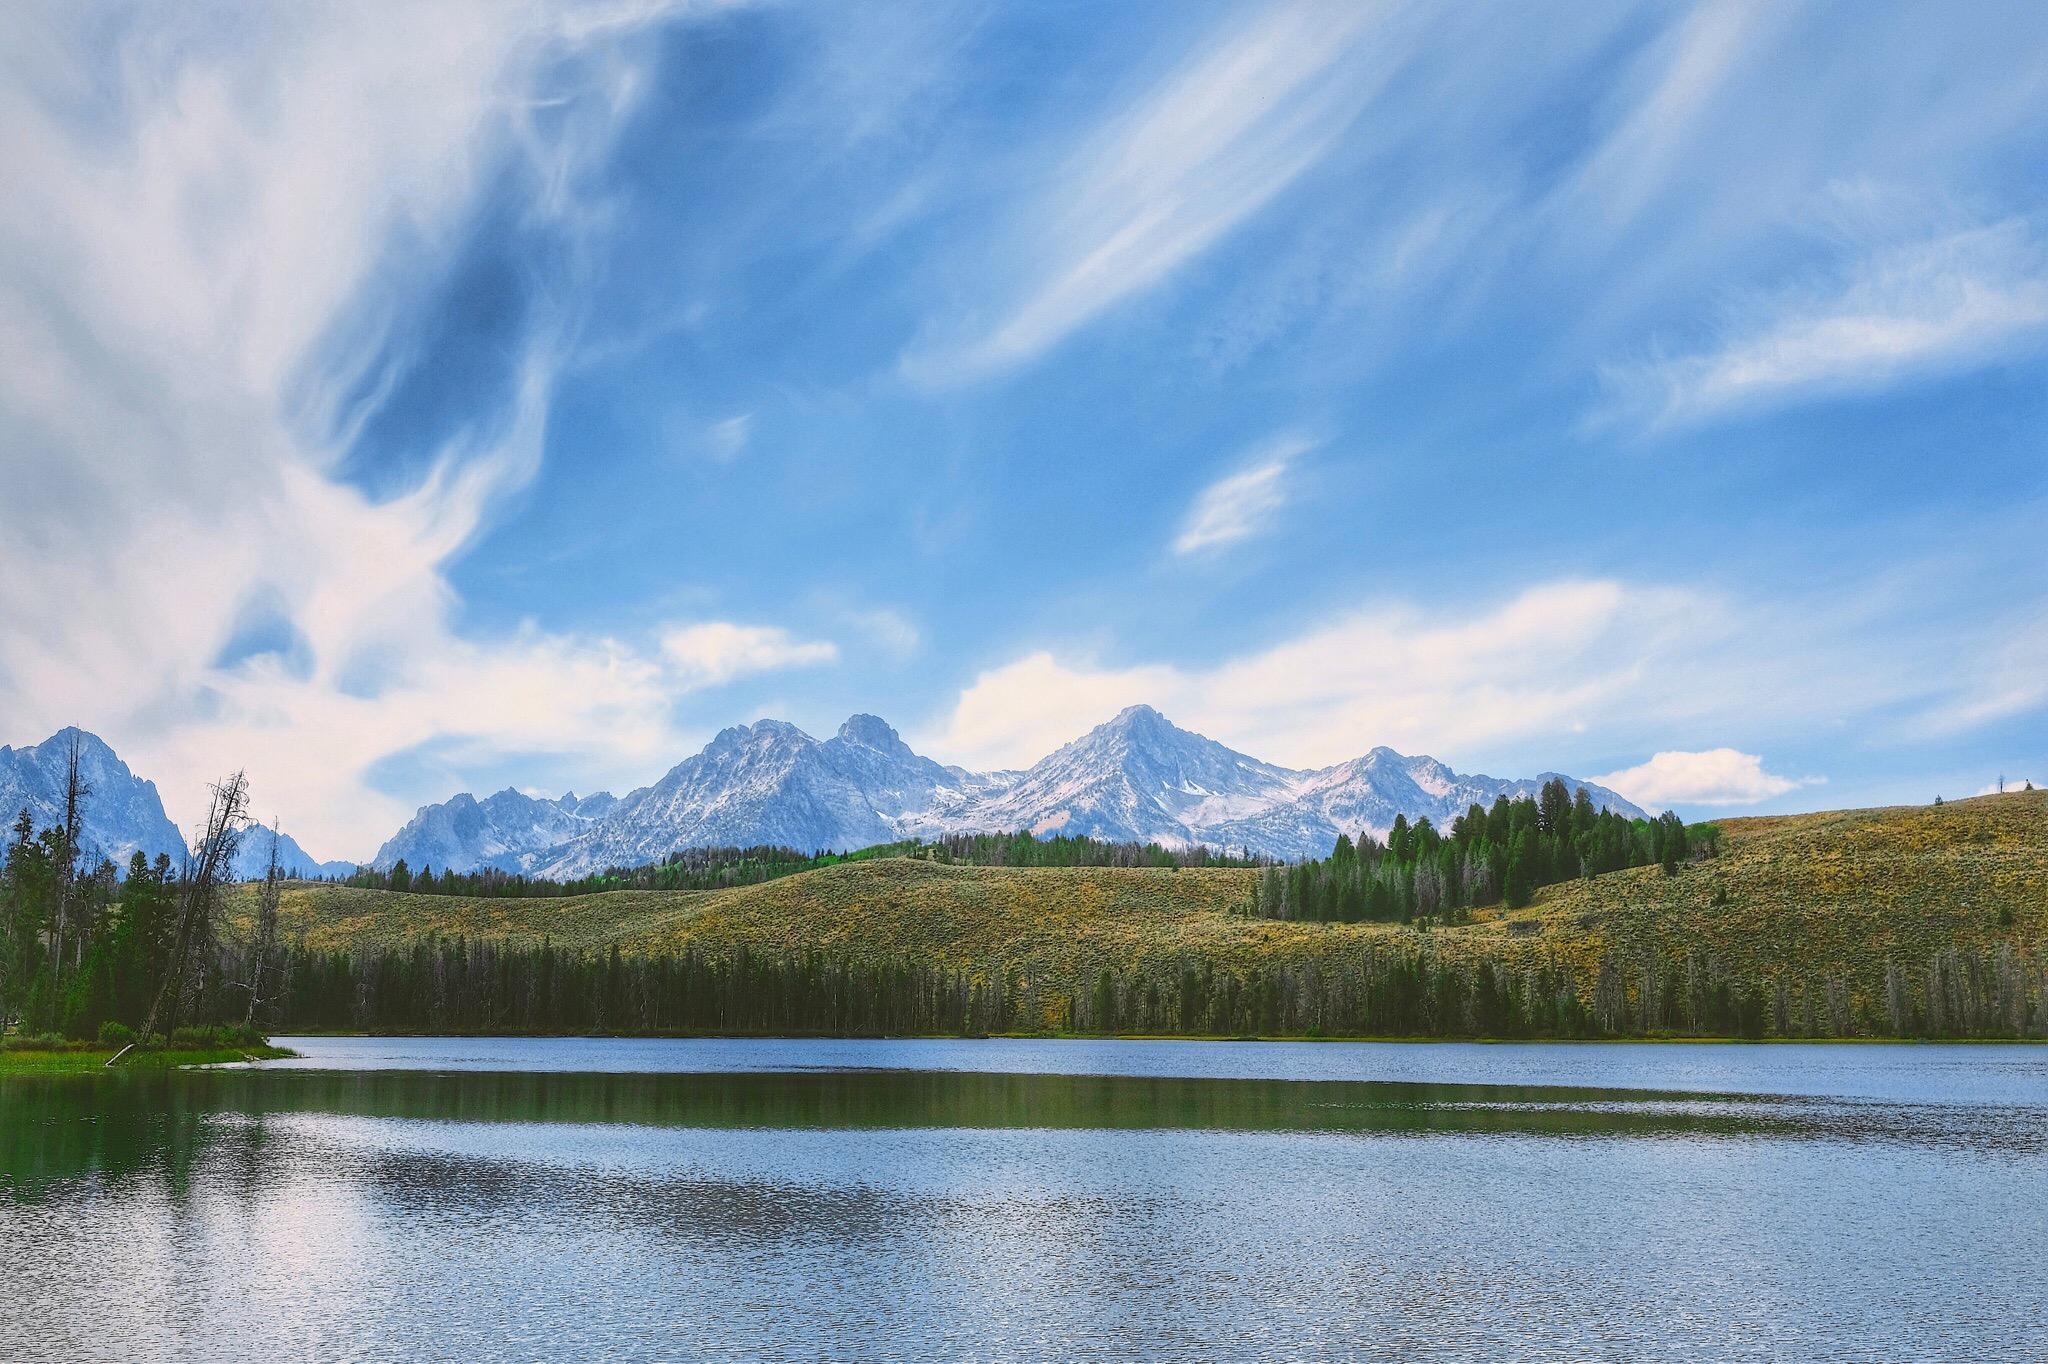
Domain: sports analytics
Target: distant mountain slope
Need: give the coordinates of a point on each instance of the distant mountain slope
(252, 858)
(122, 815)
(463, 833)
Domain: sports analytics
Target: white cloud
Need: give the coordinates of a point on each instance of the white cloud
(1016, 714)
(1165, 179)
(1243, 503)
(1546, 661)
(1714, 776)
(210, 229)
(2012, 784)
(716, 652)
(1573, 665)
(727, 439)
(1926, 308)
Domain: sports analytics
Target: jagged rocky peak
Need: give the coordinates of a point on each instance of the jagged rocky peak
(872, 731)
(1142, 725)
(123, 814)
(590, 806)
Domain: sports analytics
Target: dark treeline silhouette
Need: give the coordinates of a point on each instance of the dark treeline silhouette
(693, 869)
(453, 985)
(83, 950)
(1491, 856)
(717, 868)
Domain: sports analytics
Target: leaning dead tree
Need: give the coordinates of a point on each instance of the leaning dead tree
(266, 931)
(208, 866)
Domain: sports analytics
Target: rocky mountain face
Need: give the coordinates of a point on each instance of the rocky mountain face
(122, 815)
(463, 833)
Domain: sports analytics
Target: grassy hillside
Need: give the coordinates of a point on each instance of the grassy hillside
(1831, 894)
(1810, 898)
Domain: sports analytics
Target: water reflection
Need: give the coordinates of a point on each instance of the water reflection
(897, 1213)
(62, 1127)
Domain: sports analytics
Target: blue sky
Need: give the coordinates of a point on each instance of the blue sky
(404, 399)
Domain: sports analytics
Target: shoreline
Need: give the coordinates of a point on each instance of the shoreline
(1653, 1039)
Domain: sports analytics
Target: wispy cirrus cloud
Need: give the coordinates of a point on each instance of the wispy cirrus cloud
(1163, 180)
(1244, 503)
(1683, 73)
(1905, 312)
(726, 439)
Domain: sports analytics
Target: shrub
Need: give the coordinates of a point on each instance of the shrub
(114, 1033)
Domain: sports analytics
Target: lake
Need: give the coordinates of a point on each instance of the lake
(489, 1199)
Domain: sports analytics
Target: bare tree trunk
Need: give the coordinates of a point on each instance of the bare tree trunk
(76, 789)
(266, 931)
(195, 908)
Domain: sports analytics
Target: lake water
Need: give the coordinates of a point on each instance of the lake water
(523, 1199)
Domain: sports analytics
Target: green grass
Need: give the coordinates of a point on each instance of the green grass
(87, 1059)
(1834, 894)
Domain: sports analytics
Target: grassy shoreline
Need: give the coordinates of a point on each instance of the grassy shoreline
(1651, 1039)
(84, 1060)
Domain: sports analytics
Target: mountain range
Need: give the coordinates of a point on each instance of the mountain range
(1138, 777)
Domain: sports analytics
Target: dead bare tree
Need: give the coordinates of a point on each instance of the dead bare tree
(204, 871)
(266, 931)
(76, 789)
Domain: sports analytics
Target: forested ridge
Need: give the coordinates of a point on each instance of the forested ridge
(718, 868)
(1501, 855)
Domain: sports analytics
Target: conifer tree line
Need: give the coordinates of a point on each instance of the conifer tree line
(1501, 855)
(83, 949)
(452, 985)
(716, 868)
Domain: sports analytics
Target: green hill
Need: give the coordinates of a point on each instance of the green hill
(1819, 904)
